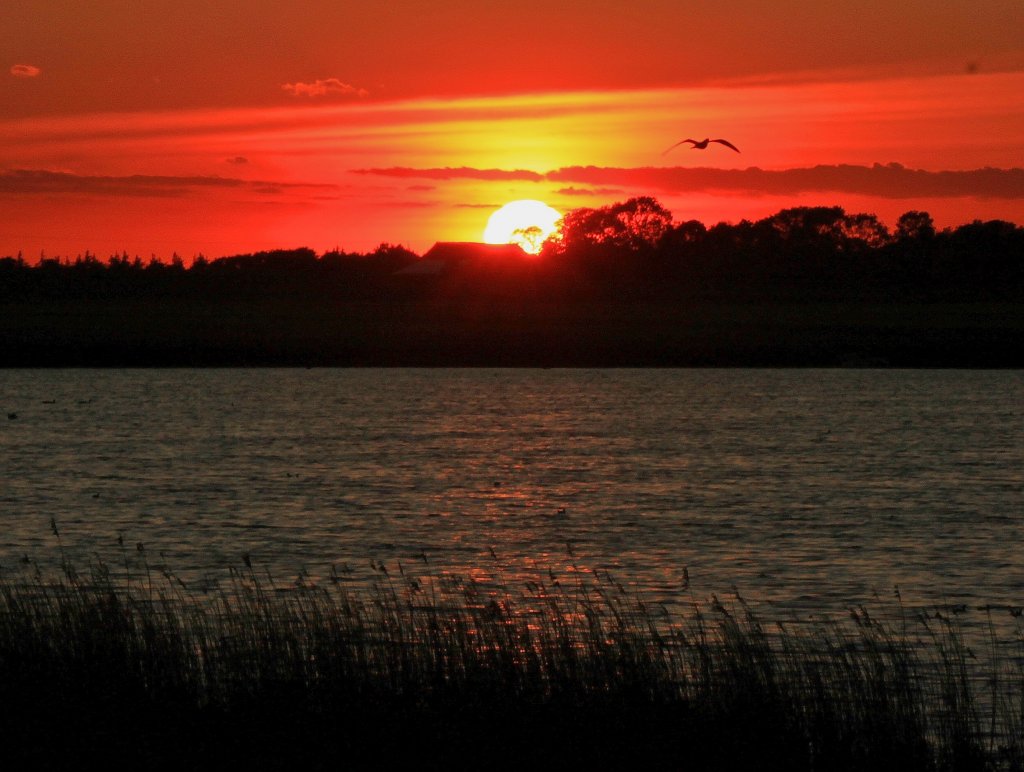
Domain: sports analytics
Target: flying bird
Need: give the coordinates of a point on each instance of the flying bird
(702, 145)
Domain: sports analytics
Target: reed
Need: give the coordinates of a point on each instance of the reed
(439, 672)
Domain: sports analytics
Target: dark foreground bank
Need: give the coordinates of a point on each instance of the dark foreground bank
(436, 673)
(468, 329)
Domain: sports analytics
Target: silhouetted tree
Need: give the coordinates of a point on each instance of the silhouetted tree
(864, 231)
(530, 238)
(639, 223)
(809, 225)
(392, 256)
(988, 256)
(689, 232)
(915, 225)
(682, 247)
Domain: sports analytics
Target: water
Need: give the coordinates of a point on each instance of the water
(808, 490)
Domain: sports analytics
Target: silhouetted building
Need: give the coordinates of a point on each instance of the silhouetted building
(445, 255)
(457, 251)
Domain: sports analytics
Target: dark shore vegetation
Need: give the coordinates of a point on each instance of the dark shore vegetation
(432, 671)
(625, 285)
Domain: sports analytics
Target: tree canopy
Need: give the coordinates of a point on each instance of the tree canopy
(633, 225)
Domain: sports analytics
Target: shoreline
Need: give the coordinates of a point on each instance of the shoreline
(477, 333)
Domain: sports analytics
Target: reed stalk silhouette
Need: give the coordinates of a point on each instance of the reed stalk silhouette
(441, 672)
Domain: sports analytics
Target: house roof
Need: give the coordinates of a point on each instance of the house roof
(447, 255)
(452, 251)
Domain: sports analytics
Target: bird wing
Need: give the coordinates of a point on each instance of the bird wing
(680, 142)
(727, 143)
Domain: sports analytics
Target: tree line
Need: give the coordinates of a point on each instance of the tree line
(630, 248)
(801, 251)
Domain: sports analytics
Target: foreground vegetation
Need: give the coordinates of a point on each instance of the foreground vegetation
(436, 672)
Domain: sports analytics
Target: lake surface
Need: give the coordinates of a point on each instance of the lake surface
(808, 490)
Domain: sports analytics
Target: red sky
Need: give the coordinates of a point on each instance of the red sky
(220, 127)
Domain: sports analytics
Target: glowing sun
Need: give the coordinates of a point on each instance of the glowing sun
(525, 222)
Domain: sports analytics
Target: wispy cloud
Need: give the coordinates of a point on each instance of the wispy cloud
(409, 204)
(884, 181)
(571, 191)
(325, 87)
(40, 181)
(25, 71)
(454, 173)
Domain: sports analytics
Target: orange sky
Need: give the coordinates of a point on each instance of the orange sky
(232, 126)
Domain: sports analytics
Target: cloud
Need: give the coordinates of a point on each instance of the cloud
(570, 191)
(25, 71)
(39, 181)
(884, 181)
(409, 204)
(892, 181)
(324, 87)
(238, 160)
(454, 173)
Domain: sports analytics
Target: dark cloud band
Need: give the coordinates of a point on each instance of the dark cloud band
(884, 181)
(37, 181)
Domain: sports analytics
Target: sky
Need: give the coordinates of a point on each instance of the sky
(224, 126)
